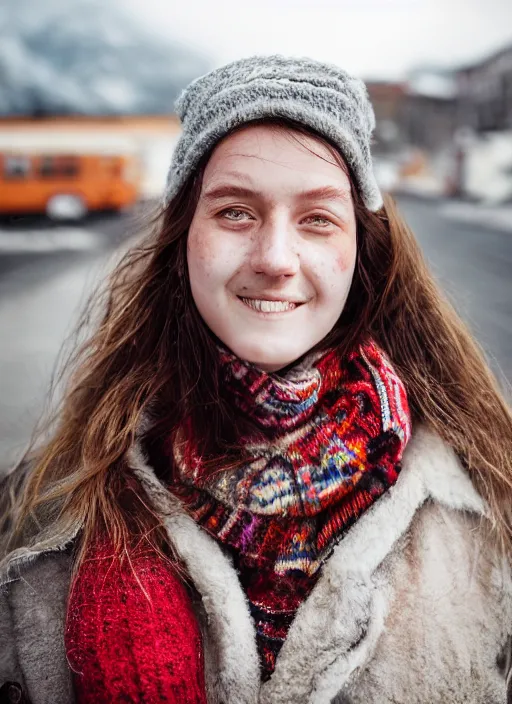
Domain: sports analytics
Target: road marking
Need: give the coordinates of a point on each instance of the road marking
(52, 240)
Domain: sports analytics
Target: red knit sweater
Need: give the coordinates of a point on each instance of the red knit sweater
(126, 645)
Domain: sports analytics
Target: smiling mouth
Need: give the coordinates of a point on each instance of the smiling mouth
(265, 306)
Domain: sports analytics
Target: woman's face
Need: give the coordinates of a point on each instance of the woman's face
(272, 245)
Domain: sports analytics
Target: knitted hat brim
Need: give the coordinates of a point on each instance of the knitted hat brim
(216, 130)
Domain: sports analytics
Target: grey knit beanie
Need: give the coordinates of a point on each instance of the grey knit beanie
(318, 95)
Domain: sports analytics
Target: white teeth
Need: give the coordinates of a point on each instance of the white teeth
(269, 306)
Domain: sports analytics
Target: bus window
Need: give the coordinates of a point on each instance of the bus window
(16, 167)
(58, 167)
(46, 167)
(117, 167)
(69, 167)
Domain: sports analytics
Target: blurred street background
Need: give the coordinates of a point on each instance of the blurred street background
(87, 131)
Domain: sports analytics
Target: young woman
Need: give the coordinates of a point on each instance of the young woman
(281, 472)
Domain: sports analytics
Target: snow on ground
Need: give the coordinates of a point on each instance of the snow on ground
(489, 167)
(496, 217)
(50, 240)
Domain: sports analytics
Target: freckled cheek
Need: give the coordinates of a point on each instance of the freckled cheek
(199, 247)
(210, 259)
(332, 272)
(344, 258)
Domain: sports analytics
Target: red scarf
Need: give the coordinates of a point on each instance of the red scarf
(131, 632)
(336, 433)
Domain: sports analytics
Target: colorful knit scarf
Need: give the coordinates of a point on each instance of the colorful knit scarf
(335, 433)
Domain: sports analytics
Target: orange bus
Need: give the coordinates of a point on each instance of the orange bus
(67, 177)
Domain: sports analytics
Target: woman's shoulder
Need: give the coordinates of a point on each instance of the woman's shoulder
(434, 500)
(40, 538)
(431, 465)
(444, 539)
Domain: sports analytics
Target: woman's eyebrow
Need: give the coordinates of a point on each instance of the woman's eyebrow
(326, 193)
(231, 190)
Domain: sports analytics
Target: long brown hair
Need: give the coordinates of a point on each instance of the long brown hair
(151, 353)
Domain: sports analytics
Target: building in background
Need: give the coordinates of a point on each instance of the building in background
(448, 131)
(416, 120)
(387, 99)
(421, 111)
(485, 93)
(429, 115)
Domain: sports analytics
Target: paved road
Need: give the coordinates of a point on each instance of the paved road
(46, 272)
(46, 275)
(474, 265)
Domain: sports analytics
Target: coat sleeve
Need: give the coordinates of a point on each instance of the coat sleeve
(11, 486)
(10, 671)
(12, 685)
(502, 589)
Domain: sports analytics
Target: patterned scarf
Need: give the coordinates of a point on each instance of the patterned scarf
(335, 433)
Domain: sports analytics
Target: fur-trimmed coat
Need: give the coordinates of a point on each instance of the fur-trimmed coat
(413, 606)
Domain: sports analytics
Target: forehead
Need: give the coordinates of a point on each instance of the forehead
(276, 155)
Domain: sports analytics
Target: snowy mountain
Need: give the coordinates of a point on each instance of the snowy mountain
(86, 57)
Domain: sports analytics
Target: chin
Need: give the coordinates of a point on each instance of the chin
(260, 357)
(269, 367)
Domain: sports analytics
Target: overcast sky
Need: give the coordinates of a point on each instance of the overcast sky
(371, 38)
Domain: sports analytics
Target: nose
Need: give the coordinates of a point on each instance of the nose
(275, 251)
